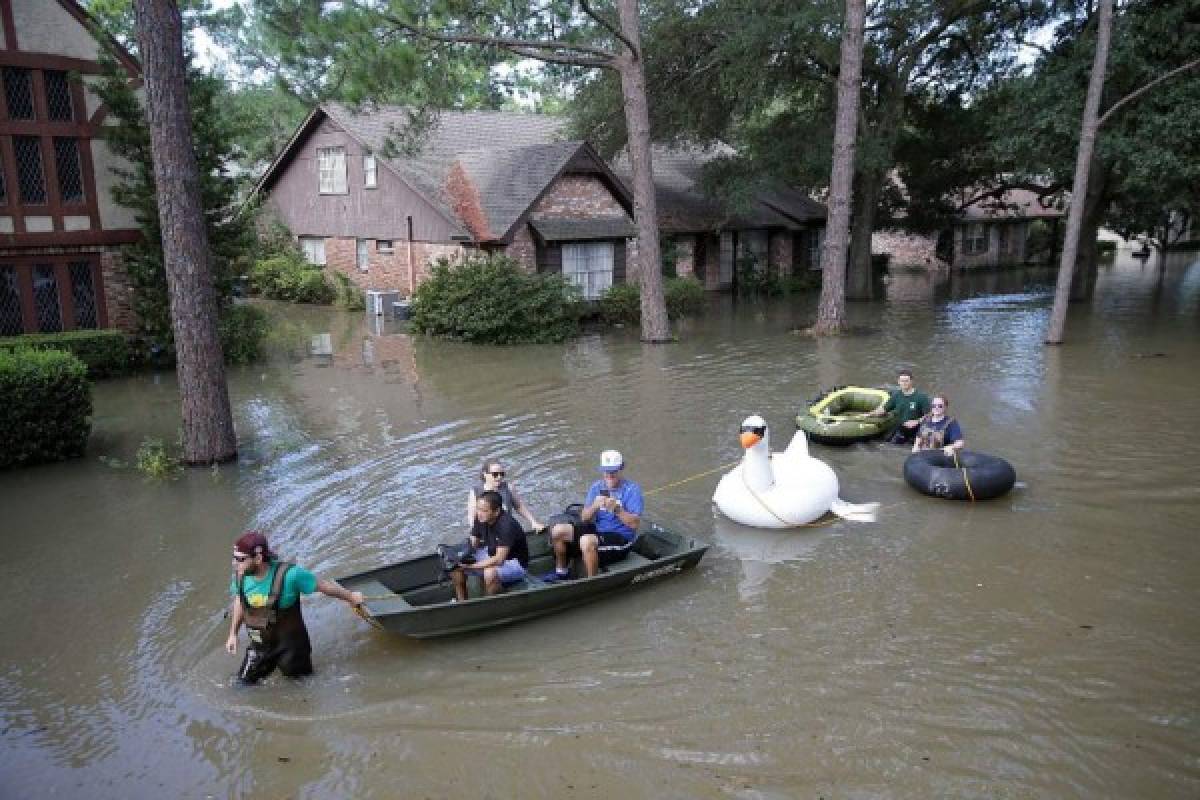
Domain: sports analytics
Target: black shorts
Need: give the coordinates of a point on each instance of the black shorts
(611, 547)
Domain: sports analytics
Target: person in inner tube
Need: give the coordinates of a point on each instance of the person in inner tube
(911, 404)
(938, 430)
(266, 598)
(607, 527)
(501, 552)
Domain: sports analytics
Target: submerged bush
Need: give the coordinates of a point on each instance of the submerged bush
(155, 460)
(491, 299)
(104, 352)
(47, 407)
(684, 297)
(622, 303)
(243, 328)
(347, 293)
(288, 277)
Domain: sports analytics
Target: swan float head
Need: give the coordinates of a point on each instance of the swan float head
(754, 432)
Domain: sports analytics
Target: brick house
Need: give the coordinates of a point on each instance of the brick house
(989, 233)
(498, 182)
(60, 230)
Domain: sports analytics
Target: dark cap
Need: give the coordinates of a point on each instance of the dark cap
(253, 543)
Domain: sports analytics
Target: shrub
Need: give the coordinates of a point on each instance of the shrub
(155, 460)
(753, 279)
(491, 299)
(103, 352)
(347, 295)
(684, 296)
(621, 303)
(806, 280)
(242, 329)
(47, 408)
(288, 277)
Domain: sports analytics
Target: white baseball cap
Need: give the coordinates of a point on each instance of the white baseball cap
(611, 461)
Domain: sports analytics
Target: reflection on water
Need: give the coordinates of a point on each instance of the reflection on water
(1037, 646)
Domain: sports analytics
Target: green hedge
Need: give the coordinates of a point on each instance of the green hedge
(290, 278)
(243, 329)
(622, 303)
(104, 352)
(47, 407)
(491, 299)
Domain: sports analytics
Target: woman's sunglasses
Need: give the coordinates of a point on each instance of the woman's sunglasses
(499, 474)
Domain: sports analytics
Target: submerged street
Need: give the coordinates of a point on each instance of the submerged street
(1040, 645)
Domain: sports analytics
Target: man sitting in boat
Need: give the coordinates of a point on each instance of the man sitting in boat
(910, 402)
(501, 552)
(607, 526)
(938, 430)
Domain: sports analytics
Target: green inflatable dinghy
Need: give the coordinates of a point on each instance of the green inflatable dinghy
(840, 416)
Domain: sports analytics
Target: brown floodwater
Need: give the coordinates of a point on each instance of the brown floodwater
(1042, 645)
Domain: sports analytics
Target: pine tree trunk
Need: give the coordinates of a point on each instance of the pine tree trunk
(1083, 161)
(831, 313)
(208, 435)
(862, 225)
(655, 327)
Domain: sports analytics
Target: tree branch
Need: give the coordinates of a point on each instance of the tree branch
(1139, 92)
(613, 29)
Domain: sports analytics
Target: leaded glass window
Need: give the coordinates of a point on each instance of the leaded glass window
(45, 299)
(589, 265)
(30, 175)
(70, 175)
(58, 96)
(12, 321)
(18, 92)
(83, 292)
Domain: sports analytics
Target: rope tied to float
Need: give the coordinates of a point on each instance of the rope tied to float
(786, 523)
(690, 478)
(966, 478)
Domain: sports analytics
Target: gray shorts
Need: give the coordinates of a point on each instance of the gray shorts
(510, 571)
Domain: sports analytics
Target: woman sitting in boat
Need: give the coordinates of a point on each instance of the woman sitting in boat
(501, 552)
(938, 430)
(492, 478)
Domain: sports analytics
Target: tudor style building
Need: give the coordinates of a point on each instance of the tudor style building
(60, 230)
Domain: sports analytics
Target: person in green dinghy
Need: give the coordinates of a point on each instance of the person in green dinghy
(911, 404)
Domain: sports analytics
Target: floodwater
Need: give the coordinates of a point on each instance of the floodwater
(1041, 645)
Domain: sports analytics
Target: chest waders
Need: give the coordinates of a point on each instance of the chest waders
(931, 438)
(278, 636)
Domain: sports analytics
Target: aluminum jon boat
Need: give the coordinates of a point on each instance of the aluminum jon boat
(413, 597)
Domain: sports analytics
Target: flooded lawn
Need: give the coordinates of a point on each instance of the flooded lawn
(1041, 645)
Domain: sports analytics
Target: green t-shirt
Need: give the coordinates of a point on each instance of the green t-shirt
(909, 406)
(296, 582)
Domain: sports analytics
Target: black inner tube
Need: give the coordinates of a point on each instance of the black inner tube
(973, 476)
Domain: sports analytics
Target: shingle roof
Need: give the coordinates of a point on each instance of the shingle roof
(1016, 204)
(557, 229)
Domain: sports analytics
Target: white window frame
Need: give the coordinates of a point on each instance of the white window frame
(975, 239)
(331, 170)
(314, 249)
(385, 245)
(370, 171)
(362, 254)
(589, 265)
(816, 241)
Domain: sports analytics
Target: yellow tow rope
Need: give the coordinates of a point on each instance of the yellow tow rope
(966, 479)
(819, 524)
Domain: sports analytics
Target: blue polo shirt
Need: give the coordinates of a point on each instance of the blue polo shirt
(630, 495)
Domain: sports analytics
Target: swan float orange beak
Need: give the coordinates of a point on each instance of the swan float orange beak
(749, 439)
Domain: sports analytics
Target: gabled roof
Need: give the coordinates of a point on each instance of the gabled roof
(484, 170)
(97, 31)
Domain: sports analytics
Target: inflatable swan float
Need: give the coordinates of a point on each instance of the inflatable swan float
(781, 490)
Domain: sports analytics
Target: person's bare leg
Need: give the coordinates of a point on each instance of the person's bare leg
(560, 536)
(491, 581)
(591, 556)
(459, 579)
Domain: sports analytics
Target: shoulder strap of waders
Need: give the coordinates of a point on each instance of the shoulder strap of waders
(281, 569)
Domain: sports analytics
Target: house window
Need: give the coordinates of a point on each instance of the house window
(589, 265)
(30, 176)
(385, 246)
(753, 247)
(816, 241)
(331, 166)
(83, 293)
(70, 175)
(45, 299)
(18, 92)
(362, 255)
(975, 239)
(12, 321)
(370, 171)
(314, 249)
(58, 96)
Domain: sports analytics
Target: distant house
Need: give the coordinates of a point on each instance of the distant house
(988, 233)
(60, 230)
(496, 182)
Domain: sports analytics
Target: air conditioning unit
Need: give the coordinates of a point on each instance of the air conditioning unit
(379, 301)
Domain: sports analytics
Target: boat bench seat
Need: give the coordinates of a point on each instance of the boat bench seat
(373, 591)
